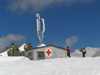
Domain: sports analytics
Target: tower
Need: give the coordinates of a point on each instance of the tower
(40, 28)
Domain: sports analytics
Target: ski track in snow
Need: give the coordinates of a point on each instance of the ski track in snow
(59, 66)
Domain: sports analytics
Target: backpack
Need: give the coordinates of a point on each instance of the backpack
(84, 51)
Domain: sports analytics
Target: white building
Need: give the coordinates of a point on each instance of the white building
(46, 52)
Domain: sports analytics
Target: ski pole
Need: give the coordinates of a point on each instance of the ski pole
(65, 52)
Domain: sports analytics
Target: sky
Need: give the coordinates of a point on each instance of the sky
(73, 23)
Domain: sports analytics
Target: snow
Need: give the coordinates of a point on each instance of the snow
(59, 66)
(5, 53)
(21, 48)
(10, 59)
(41, 45)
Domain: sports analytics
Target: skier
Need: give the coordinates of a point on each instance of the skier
(83, 51)
(68, 51)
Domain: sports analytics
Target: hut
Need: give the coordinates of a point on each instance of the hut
(45, 52)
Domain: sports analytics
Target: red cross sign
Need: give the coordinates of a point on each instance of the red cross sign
(48, 52)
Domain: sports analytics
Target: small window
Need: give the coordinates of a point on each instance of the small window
(40, 55)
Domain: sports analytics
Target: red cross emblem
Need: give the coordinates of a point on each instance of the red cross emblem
(48, 52)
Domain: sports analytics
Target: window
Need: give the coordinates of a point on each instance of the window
(40, 55)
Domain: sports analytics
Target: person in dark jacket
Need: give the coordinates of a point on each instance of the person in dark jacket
(83, 51)
(68, 51)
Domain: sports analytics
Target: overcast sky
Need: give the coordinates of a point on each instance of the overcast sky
(68, 22)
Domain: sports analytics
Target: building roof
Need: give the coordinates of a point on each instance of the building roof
(48, 46)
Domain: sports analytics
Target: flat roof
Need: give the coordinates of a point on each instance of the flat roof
(47, 46)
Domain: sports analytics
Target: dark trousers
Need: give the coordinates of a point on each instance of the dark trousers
(68, 54)
(84, 54)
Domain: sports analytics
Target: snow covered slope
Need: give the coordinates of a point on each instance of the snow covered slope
(21, 48)
(5, 53)
(11, 59)
(60, 66)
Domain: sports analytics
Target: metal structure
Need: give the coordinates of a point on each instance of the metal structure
(40, 28)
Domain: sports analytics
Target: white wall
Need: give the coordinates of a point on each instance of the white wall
(57, 52)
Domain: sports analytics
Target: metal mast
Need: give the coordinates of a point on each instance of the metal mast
(40, 31)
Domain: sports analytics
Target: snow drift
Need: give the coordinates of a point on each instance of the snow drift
(59, 66)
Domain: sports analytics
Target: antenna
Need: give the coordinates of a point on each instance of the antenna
(40, 31)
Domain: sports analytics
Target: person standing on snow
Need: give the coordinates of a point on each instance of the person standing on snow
(68, 51)
(83, 51)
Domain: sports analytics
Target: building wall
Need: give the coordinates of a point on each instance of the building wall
(57, 52)
(60, 53)
(28, 53)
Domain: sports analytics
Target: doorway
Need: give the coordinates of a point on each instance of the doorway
(40, 55)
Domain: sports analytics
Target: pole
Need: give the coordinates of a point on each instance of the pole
(65, 52)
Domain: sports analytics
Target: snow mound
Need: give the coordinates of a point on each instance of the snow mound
(59, 66)
(5, 53)
(41, 45)
(21, 48)
(12, 58)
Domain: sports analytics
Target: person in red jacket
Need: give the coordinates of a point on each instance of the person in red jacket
(68, 51)
(83, 51)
